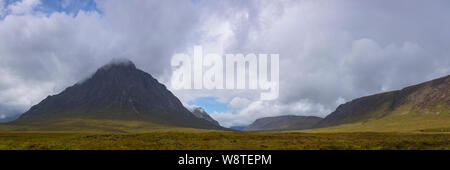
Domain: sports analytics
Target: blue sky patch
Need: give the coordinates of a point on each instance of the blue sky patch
(67, 6)
(71, 7)
(210, 104)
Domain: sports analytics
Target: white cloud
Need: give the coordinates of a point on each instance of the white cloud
(329, 53)
(238, 103)
(24, 6)
(340, 101)
(329, 50)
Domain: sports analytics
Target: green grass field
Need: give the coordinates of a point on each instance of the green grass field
(420, 131)
(187, 139)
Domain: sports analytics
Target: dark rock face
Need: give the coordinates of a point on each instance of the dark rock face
(117, 91)
(201, 113)
(420, 97)
(357, 110)
(283, 123)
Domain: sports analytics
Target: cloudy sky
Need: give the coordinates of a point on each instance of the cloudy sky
(330, 51)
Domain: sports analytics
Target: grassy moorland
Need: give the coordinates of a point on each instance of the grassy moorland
(182, 139)
(74, 134)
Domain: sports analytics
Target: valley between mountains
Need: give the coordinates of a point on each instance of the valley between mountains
(122, 107)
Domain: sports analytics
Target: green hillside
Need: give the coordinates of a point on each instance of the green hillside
(423, 107)
(189, 139)
(402, 119)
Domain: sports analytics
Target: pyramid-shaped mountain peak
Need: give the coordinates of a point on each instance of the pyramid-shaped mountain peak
(119, 63)
(117, 91)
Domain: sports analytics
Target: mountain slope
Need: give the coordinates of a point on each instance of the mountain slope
(283, 123)
(424, 106)
(201, 113)
(117, 92)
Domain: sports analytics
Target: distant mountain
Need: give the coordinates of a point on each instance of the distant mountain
(118, 93)
(238, 128)
(283, 123)
(420, 107)
(8, 113)
(202, 114)
(9, 118)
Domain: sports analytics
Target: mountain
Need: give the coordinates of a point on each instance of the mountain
(8, 113)
(283, 123)
(422, 107)
(238, 128)
(201, 113)
(117, 95)
(9, 118)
